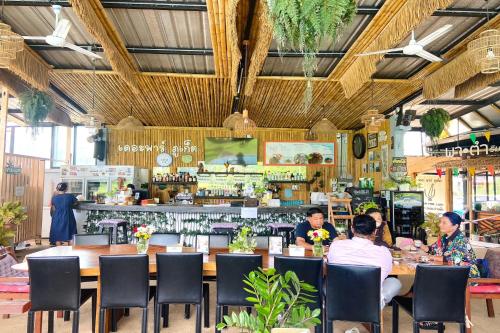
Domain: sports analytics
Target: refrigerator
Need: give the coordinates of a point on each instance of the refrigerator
(89, 181)
(407, 212)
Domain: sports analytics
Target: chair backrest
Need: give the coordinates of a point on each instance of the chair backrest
(218, 241)
(231, 270)
(353, 293)
(124, 281)
(262, 242)
(90, 239)
(54, 283)
(179, 277)
(309, 270)
(165, 239)
(439, 293)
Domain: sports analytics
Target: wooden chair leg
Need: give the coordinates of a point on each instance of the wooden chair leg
(31, 322)
(38, 321)
(198, 318)
(51, 322)
(490, 308)
(76, 321)
(144, 320)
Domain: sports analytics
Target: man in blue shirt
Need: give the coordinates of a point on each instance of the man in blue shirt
(315, 220)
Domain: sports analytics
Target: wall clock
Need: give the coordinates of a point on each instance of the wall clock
(164, 160)
(358, 146)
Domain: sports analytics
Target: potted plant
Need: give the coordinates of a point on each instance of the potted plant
(280, 301)
(434, 121)
(404, 184)
(243, 243)
(363, 207)
(12, 214)
(35, 106)
(431, 227)
(390, 185)
(301, 25)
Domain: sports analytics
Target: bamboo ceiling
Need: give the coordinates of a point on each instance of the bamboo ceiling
(205, 100)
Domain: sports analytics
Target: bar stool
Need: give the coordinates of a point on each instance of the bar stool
(112, 225)
(224, 228)
(285, 228)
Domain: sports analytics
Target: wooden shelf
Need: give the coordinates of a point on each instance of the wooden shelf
(219, 197)
(230, 173)
(288, 181)
(342, 217)
(175, 183)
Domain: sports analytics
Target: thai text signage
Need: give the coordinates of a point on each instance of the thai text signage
(176, 150)
(434, 193)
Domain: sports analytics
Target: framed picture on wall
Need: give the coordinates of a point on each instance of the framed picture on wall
(377, 166)
(299, 153)
(370, 167)
(372, 140)
(371, 156)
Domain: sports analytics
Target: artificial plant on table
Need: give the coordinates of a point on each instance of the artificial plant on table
(242, 242)
(301, 25)
(280, 301)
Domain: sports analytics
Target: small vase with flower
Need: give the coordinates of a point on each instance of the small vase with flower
(318, 236)
(143, 234)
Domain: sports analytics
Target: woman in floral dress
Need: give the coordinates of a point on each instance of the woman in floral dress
(453, 247)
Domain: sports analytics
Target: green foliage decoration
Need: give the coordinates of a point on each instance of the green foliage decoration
(300, 25)
(434, 121)
(35, 106)
(242, 242)
(363, 207)
(12, 213)
(431, 224)
(280, 301)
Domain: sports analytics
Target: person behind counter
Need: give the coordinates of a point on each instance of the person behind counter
(315, 220)
(63, 225)
(382, 234)
(453, 247)
(360, 250)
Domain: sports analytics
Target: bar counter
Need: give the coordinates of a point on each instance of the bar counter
(189, 220)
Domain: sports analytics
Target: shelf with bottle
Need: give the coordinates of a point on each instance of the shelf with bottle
(223, 173)
(174, 178)
(175, 183)
(285, 177)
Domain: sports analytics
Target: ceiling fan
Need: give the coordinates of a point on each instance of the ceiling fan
(58, 37)
(416, 48)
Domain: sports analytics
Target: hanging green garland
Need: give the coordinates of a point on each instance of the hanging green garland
(35, 106)
(434, 121)
(300, 25)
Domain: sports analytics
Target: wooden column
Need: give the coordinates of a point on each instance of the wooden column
(3, 128)
(448, 188)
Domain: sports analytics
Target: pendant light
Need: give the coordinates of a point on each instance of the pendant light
(130, 123)
(231, 120)
(324, 126)
(244, 127)
(485, 49)
(10, 43)
(372, 119)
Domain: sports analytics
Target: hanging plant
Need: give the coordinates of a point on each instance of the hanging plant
(35, 106)
(300, 25)
(434, 121)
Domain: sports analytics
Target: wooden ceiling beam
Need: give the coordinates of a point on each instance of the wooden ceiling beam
(221, 47)
(93, 16)
(476, 83)
(395, 20)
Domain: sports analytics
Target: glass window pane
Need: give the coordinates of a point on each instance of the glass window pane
(28, 143)
(480, 193)
(459, 197)
(497, 185)
(456, 126)
(84, 150)
(491, 188)
(413, 143)
(60, 143)
(8, 134)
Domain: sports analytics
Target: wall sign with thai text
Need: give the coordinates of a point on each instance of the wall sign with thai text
(161, 148)
(11, 169)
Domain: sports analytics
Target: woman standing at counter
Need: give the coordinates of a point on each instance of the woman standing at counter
(63, 225)
(453, 247)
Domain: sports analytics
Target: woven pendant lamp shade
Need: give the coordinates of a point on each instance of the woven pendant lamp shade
(10, 44)
(324, 126)
(244, 127)
(372, 120)
(130, 123)
(486, 51)
(231, 120)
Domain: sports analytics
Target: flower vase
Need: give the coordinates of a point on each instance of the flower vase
(142, 246)
(318, 249)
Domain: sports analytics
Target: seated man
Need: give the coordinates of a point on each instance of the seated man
(382, 234)
(315, 220)
(360, 250)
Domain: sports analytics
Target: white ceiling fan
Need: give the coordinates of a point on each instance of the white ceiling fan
(58, 37)
(416, 48)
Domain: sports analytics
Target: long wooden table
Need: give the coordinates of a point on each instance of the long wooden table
(89, 261)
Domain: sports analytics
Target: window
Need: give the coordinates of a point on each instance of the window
(486, 187)
(459, 193)
(59, 143)
(27, 142)
(415, 143)
(83, 153)
(456, 126)
(8, 137)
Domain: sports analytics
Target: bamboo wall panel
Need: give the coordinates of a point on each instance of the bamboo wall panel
(205, 101)
(358, 164)
(171, 136)
(32, 179)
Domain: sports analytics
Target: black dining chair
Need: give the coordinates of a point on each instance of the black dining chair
(165, 239)
(438, 296)
(182, 285)
(353, 294)
(124, 284)
(309, 270)
(90, 239)
(231, 270)
(54, 286)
